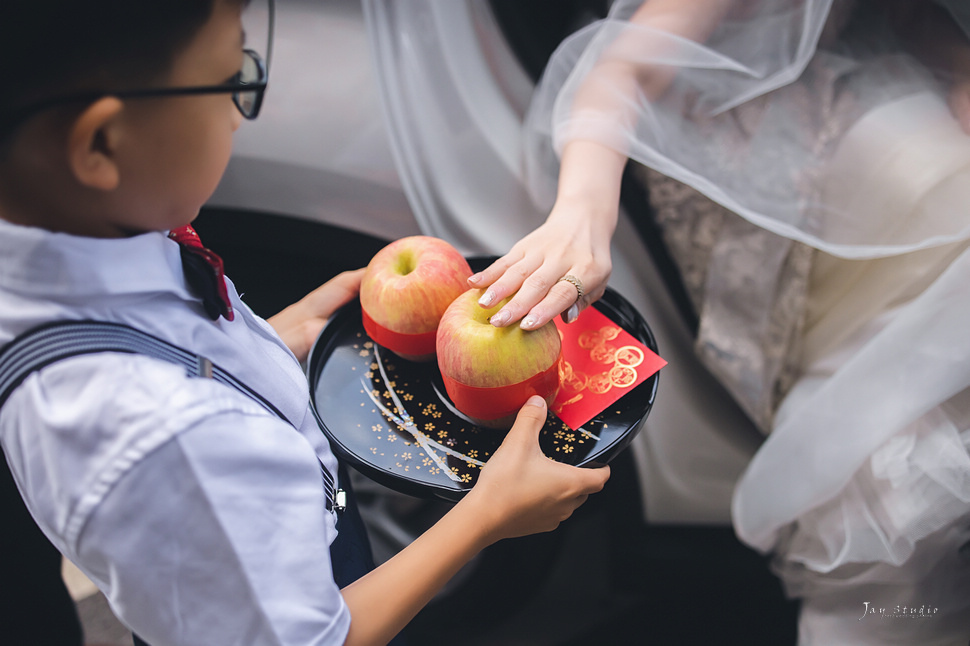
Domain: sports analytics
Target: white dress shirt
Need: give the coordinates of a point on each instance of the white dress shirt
(200, 515)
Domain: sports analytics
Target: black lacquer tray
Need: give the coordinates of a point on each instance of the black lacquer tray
(350, 377)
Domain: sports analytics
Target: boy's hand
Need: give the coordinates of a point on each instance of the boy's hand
(300, 323)
(521, 491)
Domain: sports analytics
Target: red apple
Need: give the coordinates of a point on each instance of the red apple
(489, 372)
(406, 288)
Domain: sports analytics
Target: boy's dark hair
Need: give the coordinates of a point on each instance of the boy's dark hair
(51, 48)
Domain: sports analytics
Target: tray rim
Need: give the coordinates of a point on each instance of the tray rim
(632, 322)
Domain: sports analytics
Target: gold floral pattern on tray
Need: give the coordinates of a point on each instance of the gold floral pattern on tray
(391, 418)
(435, 438)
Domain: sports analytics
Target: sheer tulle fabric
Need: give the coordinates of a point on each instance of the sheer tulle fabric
(763, 162)
(807, 126)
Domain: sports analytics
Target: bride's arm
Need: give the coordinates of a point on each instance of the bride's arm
(575, 239)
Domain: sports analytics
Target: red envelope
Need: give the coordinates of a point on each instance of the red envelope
(601, 363)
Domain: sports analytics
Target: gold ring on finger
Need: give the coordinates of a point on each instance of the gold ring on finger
(577, 283)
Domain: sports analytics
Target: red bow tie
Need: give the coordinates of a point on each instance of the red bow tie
(204, 272)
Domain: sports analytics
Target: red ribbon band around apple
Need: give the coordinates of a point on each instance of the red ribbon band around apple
(501, 401)
(412, 344)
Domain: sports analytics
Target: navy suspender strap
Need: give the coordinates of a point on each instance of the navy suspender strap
(53, 342)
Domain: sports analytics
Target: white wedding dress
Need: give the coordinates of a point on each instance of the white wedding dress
(814, 188)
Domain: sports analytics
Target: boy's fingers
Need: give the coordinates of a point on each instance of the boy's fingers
(528, 423)
(350, 280)
(336, 292)
(530, 419)
(587, 481)
(597, 478)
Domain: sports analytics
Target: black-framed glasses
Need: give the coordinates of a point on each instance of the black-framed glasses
(247, 87)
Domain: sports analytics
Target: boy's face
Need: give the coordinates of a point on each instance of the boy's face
(183, 143)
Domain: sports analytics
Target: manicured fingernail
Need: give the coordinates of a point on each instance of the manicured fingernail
(528, 322)
(500, 319)
(535, 400)
(572, 313)
(474, 279)
(487, 298)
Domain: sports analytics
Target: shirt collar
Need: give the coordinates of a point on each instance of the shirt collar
(42, 262)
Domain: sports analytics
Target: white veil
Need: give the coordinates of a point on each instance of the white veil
(842, 141)
(758, 162)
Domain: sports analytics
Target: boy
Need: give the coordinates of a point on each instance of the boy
(201, 515)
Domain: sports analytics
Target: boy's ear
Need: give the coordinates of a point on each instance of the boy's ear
(92, 145)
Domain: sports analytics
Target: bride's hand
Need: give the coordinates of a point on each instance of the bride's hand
(563, 266)
(573, 242)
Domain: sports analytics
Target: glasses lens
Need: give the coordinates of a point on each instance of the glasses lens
(252, 72)
(246, 102)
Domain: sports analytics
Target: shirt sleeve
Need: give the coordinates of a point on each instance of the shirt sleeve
(220, 536)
